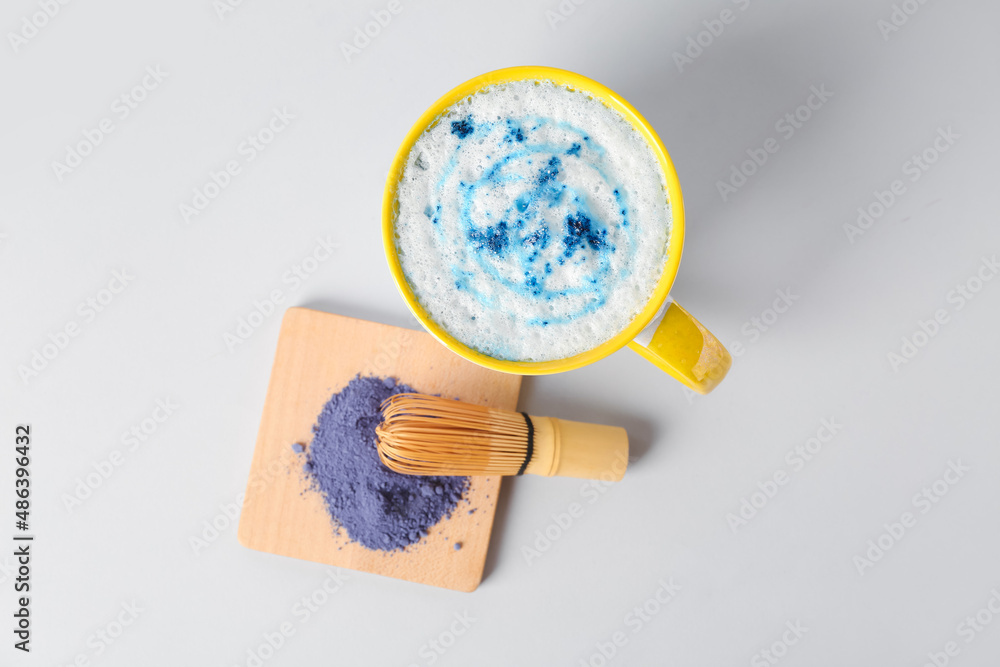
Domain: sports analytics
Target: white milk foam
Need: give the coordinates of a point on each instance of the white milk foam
(532, 221)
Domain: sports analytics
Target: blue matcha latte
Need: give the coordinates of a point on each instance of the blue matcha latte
(532, 221)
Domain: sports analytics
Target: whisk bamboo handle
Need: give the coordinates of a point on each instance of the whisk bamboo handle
(430, 435)
(574, 449)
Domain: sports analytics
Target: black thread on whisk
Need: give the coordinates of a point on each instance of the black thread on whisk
(531, 443)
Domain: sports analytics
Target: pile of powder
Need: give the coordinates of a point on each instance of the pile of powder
(378, 508)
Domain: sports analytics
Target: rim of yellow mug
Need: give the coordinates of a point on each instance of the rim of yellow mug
(675, 242)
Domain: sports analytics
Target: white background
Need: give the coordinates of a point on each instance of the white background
(696, 458)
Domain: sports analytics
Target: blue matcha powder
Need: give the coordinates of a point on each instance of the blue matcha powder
(378, 508)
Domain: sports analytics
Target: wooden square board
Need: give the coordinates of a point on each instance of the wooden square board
(318, 354)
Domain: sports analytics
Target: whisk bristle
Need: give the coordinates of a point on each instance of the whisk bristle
(429, 435)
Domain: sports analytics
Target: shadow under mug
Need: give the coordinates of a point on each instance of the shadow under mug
(663, 332)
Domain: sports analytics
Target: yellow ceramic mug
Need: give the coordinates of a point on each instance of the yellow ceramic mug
(663, 332)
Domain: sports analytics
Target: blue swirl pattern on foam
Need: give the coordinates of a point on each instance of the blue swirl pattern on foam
(522, 216)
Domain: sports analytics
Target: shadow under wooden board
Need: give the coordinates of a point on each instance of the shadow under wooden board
(318, 354)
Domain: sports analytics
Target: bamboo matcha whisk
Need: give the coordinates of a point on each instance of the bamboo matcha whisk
(428, 435)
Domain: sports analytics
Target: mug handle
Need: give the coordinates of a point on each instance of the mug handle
(678, 344)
